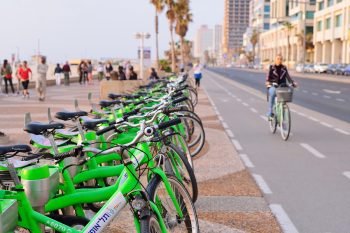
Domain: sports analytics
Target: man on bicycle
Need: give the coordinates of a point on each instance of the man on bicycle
(278, 74)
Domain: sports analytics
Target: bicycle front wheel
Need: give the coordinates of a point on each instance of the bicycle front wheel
(285, 123)
(159, 195)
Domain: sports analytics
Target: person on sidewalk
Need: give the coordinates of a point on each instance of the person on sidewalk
(18, 86)
(6, 72)
(133, 74)
(90, 68)
(85, 72)
(154, 75)
(57, 73)
(121, 73)
(100, 71)
(41, 79)
(66, 72)
(80, 72)
(25, 74)
(197, 72)
(109, 70)
(277, 75)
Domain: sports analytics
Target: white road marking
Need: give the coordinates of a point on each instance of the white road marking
(229, 93)
(313, 151)
(246, 160)
(225, 125)
(224, 100)
(314, 93)
(283, 219)
(326, 124)
(230, 133)
(236, 144)
(301, 114)
(305, 91)
(342, 131)
(314, 119)
(220, 118)
(327, 97)
(292, 110)
(262, 184)
(254, 110)
(264, 117)
(331, 91)
(346, 174)
(239, 100)
(245, 104)
(340, 100)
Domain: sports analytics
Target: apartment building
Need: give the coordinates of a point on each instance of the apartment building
(236, 21)
(291, 40)
(332, 31)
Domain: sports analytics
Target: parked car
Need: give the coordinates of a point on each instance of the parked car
(321, 68)
(347, 70)
(331, 69)
(300, 68)
(340, 69)
(258, 66)
(310, 68)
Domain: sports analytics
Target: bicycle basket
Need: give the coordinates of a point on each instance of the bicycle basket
(284, 94)
(8, 215)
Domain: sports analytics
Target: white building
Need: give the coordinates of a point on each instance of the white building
(332, 31)
(217, 42)
(203, 41)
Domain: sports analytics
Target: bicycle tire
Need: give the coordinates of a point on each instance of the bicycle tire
(189, 179)
(150, 224)
(285, 123)
(190, 221)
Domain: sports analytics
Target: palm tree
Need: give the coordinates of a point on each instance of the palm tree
(171, 18)
(159, 6)
(183, 18)
(254, 39)
(288, 26)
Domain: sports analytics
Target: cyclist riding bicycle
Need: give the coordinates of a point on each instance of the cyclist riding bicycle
(278, 74)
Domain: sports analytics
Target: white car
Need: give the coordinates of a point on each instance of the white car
(300, 68)
(321, 68)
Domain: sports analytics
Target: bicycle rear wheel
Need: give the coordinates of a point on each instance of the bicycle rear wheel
(273, 123)
(285, 123)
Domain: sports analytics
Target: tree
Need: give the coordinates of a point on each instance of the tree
(288, 26)
(171, 18)
(183, 18)
(307, 45)
(254, 39)
(159, 6)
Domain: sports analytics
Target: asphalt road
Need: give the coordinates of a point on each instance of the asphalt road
(330, 98)
(306, 180)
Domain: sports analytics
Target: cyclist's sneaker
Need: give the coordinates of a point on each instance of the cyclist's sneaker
(270, 116)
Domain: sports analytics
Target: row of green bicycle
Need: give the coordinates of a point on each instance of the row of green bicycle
(83, 168)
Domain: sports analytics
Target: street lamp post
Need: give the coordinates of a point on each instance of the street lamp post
(142, 36)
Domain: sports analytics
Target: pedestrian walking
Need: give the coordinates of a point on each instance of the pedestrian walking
(25, 74)
(197, 71)
(6, 72)
(90, 68)
(109, 70)
(127, 66)
(18, 86)
(41, 79)
(121, 73)
(57, 73)
(66, 72)
(80, 72)
(100, 71)
(154, 75)
(85, 72)
(133, 74)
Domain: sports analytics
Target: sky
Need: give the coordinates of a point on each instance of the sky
(69, 29)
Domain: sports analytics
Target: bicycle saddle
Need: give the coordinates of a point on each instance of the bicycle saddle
(14, 148)
(65, 115)
(40, 128)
